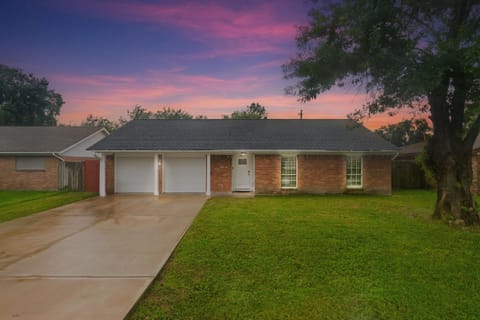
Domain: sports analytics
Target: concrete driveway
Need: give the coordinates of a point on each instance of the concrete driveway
(91, 259)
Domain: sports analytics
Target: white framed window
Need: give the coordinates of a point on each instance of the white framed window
(29, 163)
(354, 172)
(289, 172)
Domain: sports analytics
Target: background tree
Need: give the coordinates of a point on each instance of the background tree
(253, 111)
(168, 113)
(405, 132)
(138, 112)
(94, 121)
(26, 100)
(405, 54)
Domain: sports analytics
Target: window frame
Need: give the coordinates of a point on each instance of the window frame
(347, 160)
(32, 168)
(286, 174)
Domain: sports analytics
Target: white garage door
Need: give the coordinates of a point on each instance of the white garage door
(183, 174)
(134, 174)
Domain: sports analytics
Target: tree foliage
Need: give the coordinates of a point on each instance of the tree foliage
(26, 100)
(95, 121)
(423, 55)
(405, 132)
(140, 112)
(252, 111)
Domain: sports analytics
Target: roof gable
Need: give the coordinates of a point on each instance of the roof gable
(183, 135)
(41, 139)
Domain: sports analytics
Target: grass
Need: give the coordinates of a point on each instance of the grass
(16, 204)
(319, 257)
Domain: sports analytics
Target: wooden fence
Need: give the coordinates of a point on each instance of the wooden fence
(407, 174)
(79, 175)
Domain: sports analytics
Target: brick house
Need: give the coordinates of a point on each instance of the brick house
(32, 158)
(410, 152)
(258, 156)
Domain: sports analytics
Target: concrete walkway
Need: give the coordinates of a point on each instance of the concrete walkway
(91, 259)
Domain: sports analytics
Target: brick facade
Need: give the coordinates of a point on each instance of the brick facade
(221, 173)
(110, 175)
(377, 174)
(267, 174)
(321, 173)
(11, 179)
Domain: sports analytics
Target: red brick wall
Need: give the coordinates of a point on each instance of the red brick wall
(221, 173)
(110, 175)
(11, 179)
(377, 174)
(321, 173)
(267, 174)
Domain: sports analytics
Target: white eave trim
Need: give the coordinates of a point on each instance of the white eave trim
(84, 139)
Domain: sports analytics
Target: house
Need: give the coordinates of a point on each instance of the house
(260, 156)
(32, 158)
(406, 160)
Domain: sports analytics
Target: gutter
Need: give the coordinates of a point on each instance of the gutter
(56, 155)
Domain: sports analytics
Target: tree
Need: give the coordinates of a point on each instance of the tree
(421, 54)
(95, 121)
(253, 111)
(405, 132)
(140, 112)
(26, 100)
(168, 113)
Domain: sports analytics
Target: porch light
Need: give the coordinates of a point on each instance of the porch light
(243, 154)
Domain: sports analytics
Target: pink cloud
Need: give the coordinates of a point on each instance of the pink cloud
(259, 28)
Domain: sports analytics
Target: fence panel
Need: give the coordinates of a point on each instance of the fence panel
(407, 174)
(71, 176)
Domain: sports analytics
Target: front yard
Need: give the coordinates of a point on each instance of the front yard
(319, 257)
(16, 204)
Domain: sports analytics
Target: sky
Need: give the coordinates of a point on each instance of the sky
(205, 57)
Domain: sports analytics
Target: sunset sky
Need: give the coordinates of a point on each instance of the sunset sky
(206, 57)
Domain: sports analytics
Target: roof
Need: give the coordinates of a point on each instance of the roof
(414, 148)
(197, 135)
(41, 139)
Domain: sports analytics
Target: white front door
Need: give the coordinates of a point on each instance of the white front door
(242, 172)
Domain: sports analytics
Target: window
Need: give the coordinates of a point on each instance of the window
(29, 163)
(354, 172)
(289, 172)
(242, 162)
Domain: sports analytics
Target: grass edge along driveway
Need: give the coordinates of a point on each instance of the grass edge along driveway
(16, 204)
(319, 257)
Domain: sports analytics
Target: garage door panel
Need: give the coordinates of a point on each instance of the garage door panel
(185, 174)
(134, 175)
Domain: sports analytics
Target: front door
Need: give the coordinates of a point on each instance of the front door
(242, 172)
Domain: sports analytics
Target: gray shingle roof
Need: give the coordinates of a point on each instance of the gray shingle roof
(41, 139)
(313, 135)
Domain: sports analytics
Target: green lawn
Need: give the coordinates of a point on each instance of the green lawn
(15, 204)
(319, 257)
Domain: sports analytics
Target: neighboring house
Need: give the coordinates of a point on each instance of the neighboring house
(260, 156)
(32, 158)
(409, 153)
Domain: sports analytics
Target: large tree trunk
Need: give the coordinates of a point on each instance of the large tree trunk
(450, 159)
